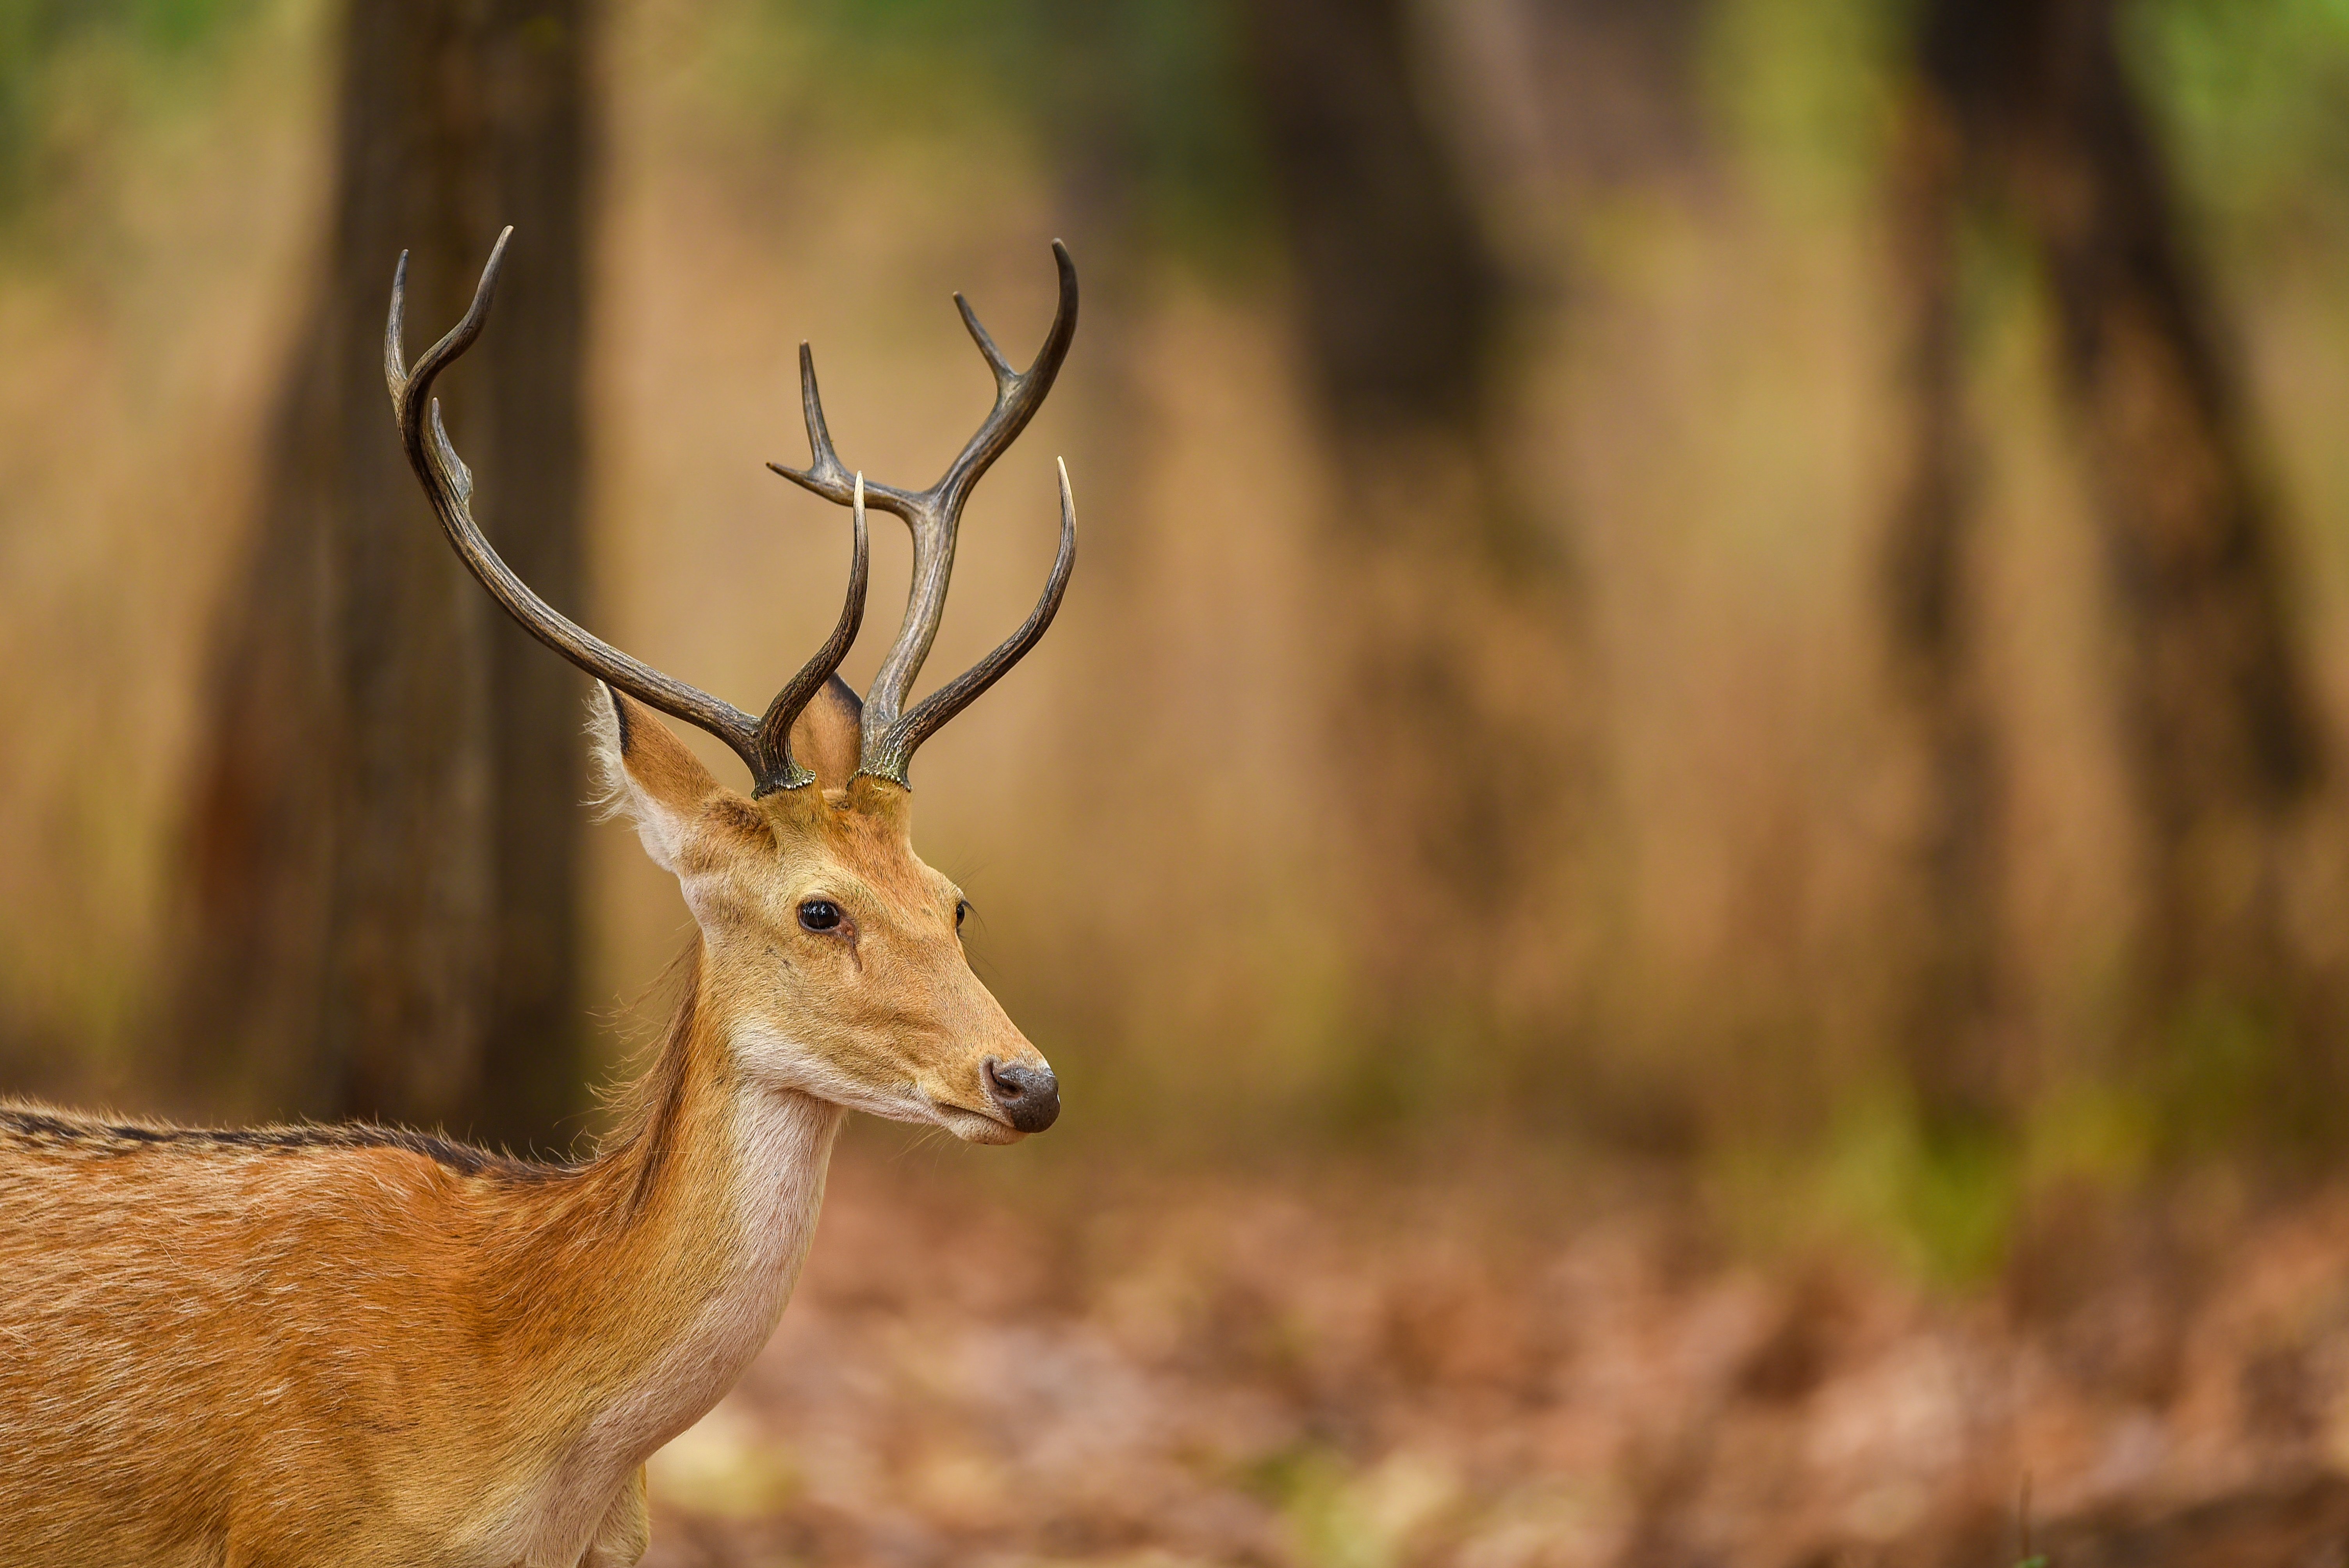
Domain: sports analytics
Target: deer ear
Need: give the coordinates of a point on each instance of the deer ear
(648, 774)
(828, 733)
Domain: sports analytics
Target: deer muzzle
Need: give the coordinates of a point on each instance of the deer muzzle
(1028, 1097)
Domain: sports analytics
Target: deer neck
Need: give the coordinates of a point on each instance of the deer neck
(661, 1269)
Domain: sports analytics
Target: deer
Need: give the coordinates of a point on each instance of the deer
(356, 1344)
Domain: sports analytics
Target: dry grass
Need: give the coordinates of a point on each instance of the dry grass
(143, 320)
(1175, 893)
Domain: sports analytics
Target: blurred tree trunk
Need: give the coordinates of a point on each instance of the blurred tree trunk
(384, 838)
(1402, 299)
(1622, 105)
(1453, 626)
(1951, 1029)
(2220, 736)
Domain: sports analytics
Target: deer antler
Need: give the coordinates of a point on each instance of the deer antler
(763, 743)
(935, 516)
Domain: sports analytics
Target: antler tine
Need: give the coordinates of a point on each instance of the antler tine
(449, 485)
(933, 516)
(775, 729)
(899, 742)
(979, 334)
(453, 342)
(824, 475)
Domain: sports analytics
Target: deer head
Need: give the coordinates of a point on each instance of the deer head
(833, 953)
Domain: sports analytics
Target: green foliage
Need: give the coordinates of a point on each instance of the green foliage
(61, 64)
(1339, 1515)
(1941, 1201)
(2255, 97)
(1142, 104)
(1803, 90)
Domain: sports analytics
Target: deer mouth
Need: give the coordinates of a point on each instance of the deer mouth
(970, 1125)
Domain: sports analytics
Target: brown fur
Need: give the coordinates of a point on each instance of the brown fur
(295, 1345)
(825, 740)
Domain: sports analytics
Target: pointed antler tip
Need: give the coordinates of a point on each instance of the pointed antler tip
(449, 484)
(890, 733)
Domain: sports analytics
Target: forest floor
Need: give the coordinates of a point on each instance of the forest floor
(1321, 1372)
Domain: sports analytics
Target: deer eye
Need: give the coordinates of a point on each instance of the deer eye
(819, 914)
(962, 912)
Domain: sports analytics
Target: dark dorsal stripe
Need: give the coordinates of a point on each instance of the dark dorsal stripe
(99, 1138)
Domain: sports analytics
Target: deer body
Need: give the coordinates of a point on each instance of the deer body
(311, 1345)
(376, 1355)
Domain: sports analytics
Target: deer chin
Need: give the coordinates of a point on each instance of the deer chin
(774, 1059)
(970, 1125)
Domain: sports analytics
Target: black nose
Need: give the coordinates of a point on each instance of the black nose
(1029, 1097)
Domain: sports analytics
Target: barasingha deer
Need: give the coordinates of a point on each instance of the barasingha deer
(360, 1346)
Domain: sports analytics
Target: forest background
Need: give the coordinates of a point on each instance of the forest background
(1738, 599)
